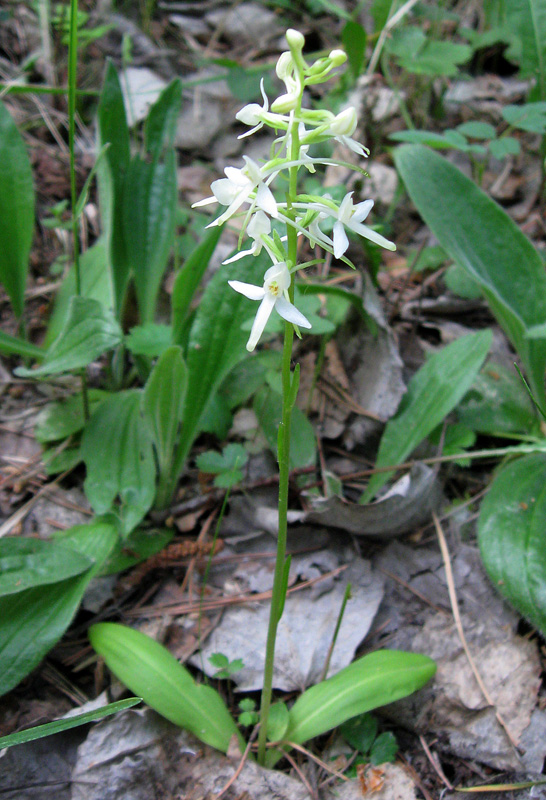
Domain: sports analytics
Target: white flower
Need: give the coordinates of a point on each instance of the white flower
(237, 188)
(259, 225)
(349, 216)
(343, 126)
(252, 114)
(274, 295)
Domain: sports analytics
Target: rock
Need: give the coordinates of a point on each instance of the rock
(247, 23)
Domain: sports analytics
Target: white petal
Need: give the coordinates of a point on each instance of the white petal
(260, 321)
(262, 90)
(341, 242)
(278, 272)
(356, 147)
(362, 210)
(258, 225)
(346, 208)
(237, 256)
(248, 289)
(266, 201)
(225, 191)
(236, 176)
(251, 131)
(205, 202)
(373, 236)
(290, 313)
(250, 114)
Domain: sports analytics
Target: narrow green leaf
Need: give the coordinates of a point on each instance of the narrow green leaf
(216, 344)
(58, 725)
(149, 340)
(121, 464)
(113, 130)
(498, 403)
(13, 346)
(370, 682)
(16, 211)
(149, 213)
(96, 284)
(32, 621)
(186, 282)
(432, 393)
(353, 37)
(277, 723)
(163, 402)
(25, 563)
(89, 332)
(481, 238)
(527, 19)
(151, 672)
(161, 122)
(511, 535)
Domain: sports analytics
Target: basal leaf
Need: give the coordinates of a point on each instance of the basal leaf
(65, 417)
(162, 120)
(89, 332)
(481, 238)
(25, 563)
(433, 392)
(370, 682)
(117, 450)
(149, 340)
(527, 19)
(113, 130)
(511, 535)
(163, 403)
(216, 344)
(149, 207)
(14, 346)
(151, 672)
(32, 621)
(96, 284)
(186, 282)
(16, 211)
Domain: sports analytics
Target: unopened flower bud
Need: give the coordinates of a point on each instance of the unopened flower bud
(295, 39)
(338, 57)
(285, 103)
(285, 66)
(344, 124)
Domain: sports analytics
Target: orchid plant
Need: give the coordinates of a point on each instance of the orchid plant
(247, 192)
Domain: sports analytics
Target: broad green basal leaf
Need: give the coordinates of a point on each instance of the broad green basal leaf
(117, 450)
(25, 563)
(370, 682)
(65, 417)
(89, 331)
(32, 621)
(151, 672)
(479, 236)
(511, 535)
(16, 210)
(432, 393)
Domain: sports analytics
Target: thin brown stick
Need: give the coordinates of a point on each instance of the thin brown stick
(240, 767)
(208, 605)
(318, 761)
(434, 763)
(312, 792)
(460, 631)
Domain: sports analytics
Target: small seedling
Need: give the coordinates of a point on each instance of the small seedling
(361, 733)
(225, 667)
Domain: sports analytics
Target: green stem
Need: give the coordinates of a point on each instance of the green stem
(278, 594)
(72, 79)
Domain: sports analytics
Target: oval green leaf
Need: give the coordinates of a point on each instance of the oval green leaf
(150, 671)
(30, 562)
(511, 535)
(479, 236)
